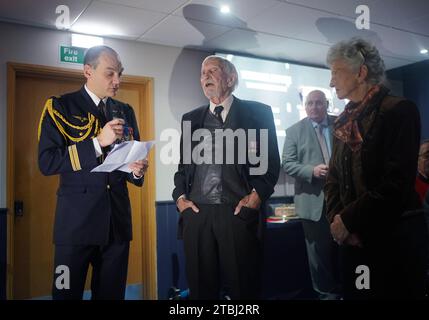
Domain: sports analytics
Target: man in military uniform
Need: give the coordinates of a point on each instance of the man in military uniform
(93, 213)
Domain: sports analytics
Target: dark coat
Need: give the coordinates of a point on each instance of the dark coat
(378, 186)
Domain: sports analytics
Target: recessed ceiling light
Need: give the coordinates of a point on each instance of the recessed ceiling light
(96, 29)
(224, 9)
(84, 41)
(423, 51)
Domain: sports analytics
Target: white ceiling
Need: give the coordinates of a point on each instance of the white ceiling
(296, 30)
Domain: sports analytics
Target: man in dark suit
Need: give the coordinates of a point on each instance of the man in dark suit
(93, 213)
(306, 154)
(220, 189)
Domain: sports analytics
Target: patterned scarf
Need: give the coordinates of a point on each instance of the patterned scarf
(346, 126)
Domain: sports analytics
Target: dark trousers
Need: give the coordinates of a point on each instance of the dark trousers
(109, 271)
(323, 258)
(396, 259)
(222, 252)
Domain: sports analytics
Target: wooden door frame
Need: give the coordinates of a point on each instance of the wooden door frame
(147, 129)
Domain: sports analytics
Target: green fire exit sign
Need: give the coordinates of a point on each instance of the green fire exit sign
(72, 54)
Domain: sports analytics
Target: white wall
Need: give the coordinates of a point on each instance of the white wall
(175, 72)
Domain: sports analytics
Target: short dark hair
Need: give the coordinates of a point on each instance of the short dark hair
(93, 53)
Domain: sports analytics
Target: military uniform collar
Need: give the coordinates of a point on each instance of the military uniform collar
(88, 104)
(94, 97)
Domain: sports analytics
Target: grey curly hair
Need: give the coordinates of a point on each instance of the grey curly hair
(356, 52)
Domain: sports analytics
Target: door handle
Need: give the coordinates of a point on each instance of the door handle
(19, 208)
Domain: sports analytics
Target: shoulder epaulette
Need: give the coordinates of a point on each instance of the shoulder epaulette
(60, 121)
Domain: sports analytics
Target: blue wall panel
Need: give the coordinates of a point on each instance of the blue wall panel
(3, 253)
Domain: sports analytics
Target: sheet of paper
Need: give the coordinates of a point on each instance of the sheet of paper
(123, 154)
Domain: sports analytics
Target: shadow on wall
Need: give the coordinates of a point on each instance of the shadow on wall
(334, 30)
(186, 96)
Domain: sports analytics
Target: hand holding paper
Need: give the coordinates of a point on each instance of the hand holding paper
(139, 167)
(122, 155)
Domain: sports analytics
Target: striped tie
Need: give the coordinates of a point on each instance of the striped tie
(322, 142)
(217, 111)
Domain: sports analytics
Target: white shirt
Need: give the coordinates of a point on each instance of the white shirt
(94, 97)
(226, 104)
(96, 100)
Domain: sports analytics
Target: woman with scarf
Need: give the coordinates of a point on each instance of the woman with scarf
(372, 204)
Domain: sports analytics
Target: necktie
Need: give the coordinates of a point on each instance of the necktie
(103, 109)
(322, 142)
(217, 111)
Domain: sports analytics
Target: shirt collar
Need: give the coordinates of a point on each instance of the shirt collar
(226, 104)
(94, 97)
(324, 122)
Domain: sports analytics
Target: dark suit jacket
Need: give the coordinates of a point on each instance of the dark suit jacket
(248, 115)
(88, 204)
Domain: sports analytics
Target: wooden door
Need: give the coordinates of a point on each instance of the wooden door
(33, 247)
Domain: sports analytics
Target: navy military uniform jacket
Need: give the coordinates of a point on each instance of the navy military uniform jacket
(93, 208)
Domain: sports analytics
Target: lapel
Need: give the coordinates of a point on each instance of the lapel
(367, 118)
(197, 120)
(313, 136)
(236, 115)
(311, 132)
